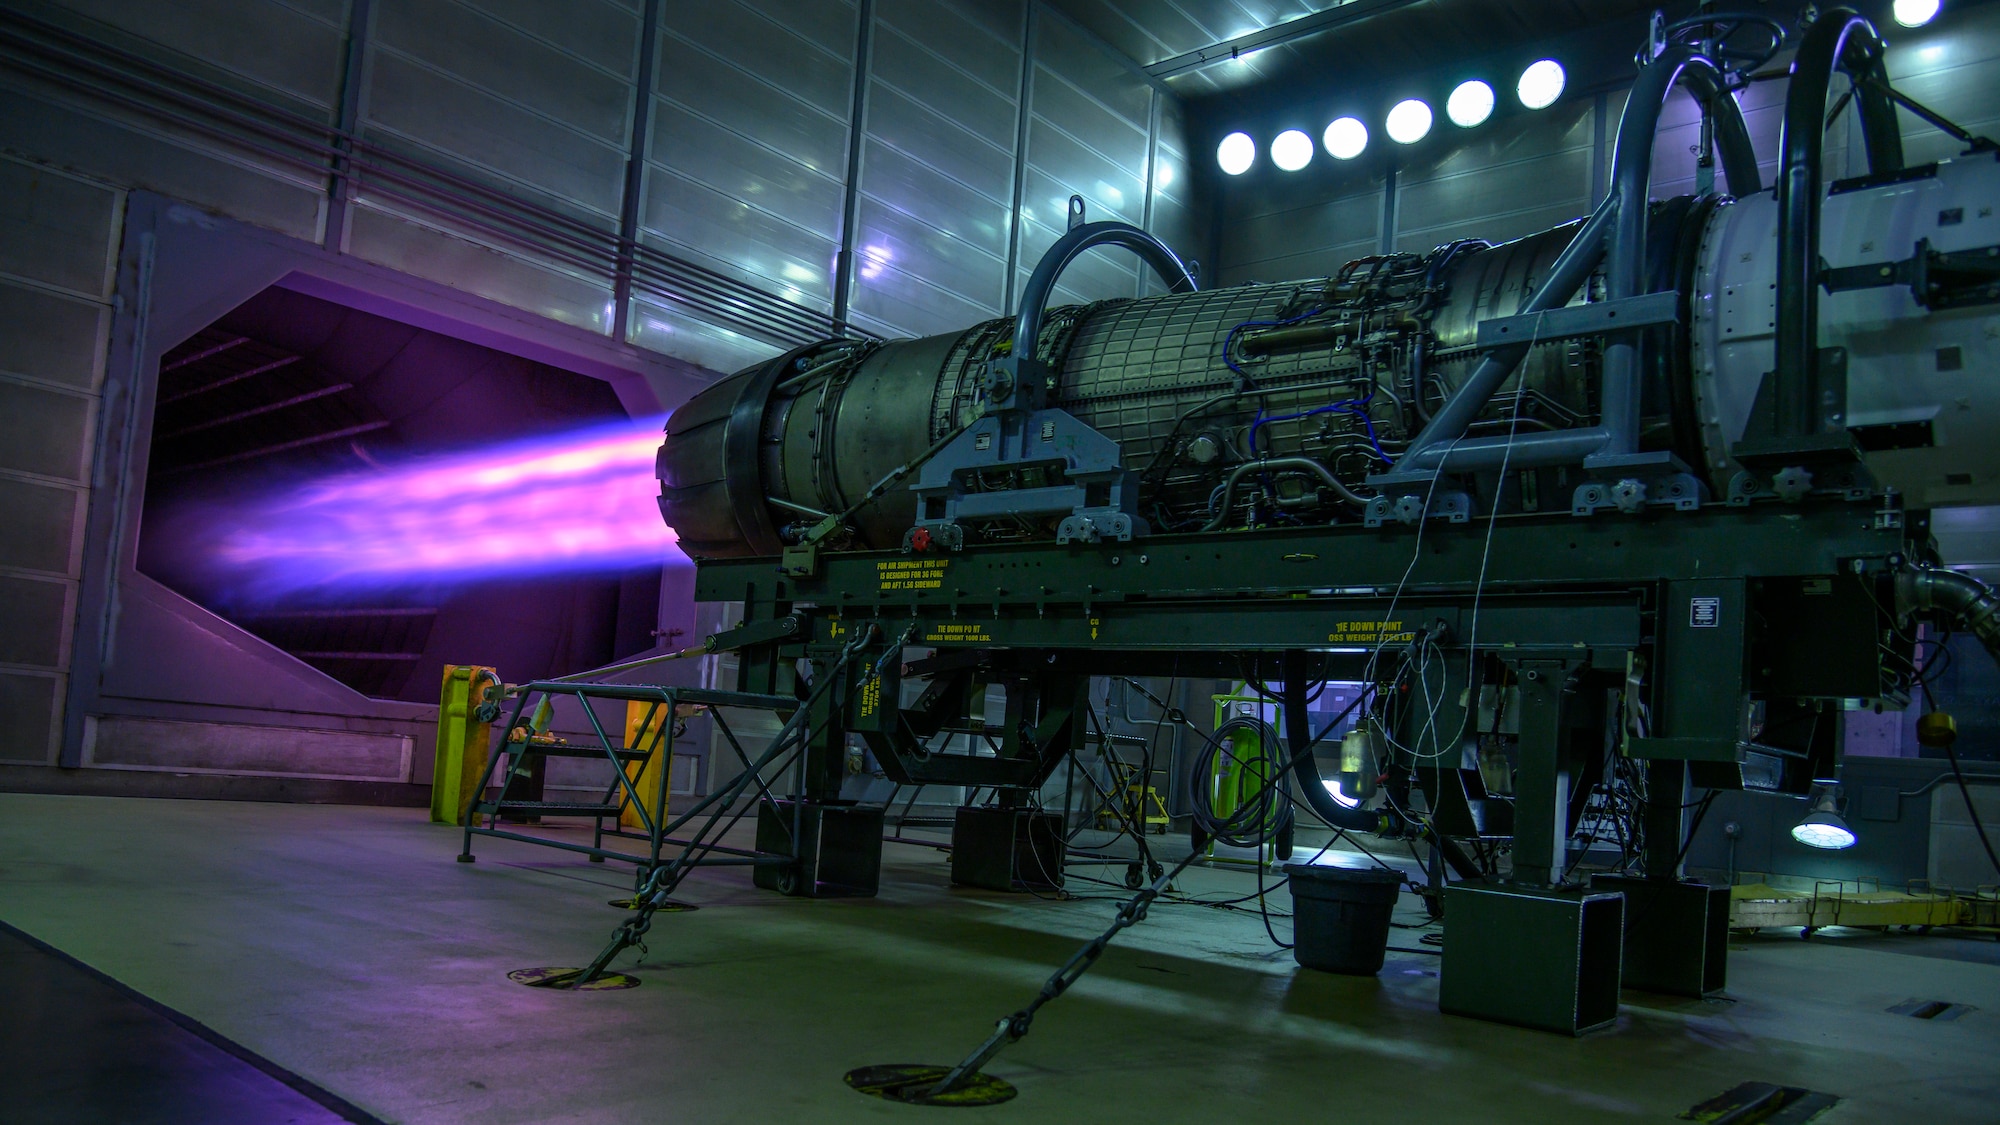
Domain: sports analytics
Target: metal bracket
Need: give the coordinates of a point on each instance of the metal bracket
(1083, 479)
(1680, 491)
(1452, 507)
(1563, 323)
(754, 633)
(1937, 279)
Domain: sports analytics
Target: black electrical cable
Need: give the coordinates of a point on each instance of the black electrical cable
(1951, 755)
(1694, 827)
(1923, 680)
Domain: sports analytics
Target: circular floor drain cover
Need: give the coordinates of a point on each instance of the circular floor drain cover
(559, 977)
(668, 907)
(911, 1085)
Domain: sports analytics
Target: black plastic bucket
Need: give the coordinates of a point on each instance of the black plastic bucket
(1340, 916)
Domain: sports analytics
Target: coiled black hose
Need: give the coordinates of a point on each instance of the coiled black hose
(1256, 822)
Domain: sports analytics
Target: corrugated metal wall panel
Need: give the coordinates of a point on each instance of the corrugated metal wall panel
(749, 146)
(1090, 134)
(290, 49)
(672, 330)
(826, 24)
(746, 157)
(741, 168)
(1070, 167)
(690, 80)
(602, 34)
(1061, 48)
(818, 73)
(503, 93)
(141, 151)
(920, 190)
(478, 130)
(937, 167)
(583, 82)
(495, 97)
(909, 60)
(420, 249)
(1172, 180)
(42, 521)
(1275, 228)
(1090, 125)
(1514, 177)
(692, 219)
(892, 238)
(50, 336)
(59, 229)
(58, 233)
(980, 37)
(903, 303)
(1311, 241)
(911, 126)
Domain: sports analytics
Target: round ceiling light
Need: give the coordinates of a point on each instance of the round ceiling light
(1915, 13)
(1236, 153)
(1471, 104)
(1409, 122)
(1346, 138)
(1541, 84)
(1291, 150)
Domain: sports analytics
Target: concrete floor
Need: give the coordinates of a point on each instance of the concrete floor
(345, 945)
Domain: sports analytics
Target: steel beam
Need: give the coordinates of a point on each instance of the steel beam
(1319, 23)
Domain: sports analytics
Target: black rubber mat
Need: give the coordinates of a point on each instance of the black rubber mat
(78, 1048)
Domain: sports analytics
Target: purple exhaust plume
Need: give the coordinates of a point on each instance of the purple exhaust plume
(581, 501)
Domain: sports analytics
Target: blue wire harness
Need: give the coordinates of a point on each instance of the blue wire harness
(1357, 407)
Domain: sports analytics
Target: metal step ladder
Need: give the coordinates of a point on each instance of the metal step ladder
(527, 745)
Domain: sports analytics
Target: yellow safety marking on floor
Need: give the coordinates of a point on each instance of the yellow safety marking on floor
(558, 978)
(911, 1084)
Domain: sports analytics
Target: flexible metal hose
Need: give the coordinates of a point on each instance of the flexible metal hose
(1973, 605)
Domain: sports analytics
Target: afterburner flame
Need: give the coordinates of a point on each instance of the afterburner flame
(581, 501)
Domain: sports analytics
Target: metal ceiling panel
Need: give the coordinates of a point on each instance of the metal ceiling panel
(1188, 43)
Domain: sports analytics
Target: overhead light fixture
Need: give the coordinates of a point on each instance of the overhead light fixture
(1915, 13)
(1236, 153)
(1823, 827)
(1291, 150)
(1541, 84)
(1409, 122)
(1470, 104)
(1346, 138)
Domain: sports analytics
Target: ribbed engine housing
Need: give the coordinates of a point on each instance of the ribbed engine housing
(1344, 371)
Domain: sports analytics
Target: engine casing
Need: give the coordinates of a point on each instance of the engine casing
(1345, 370)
